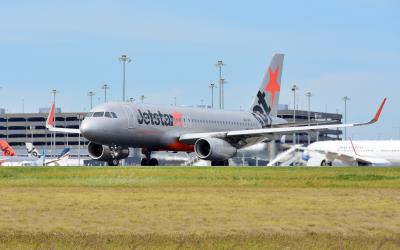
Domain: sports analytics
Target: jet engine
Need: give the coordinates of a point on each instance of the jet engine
(104, 153)
(214, 149)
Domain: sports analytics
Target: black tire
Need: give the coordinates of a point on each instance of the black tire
(153, 162)
(214, 163)
(144, 162)
(113, 162)
(323, 163)
(220, 163)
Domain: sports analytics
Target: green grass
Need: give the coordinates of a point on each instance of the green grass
(201, 176)
(199, 208)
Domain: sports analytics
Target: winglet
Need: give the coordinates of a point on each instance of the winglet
(50, 118)
(378, 113)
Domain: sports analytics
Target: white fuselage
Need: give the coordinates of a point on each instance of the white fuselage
(376, 150)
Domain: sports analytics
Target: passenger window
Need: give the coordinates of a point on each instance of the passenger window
(107, 114)
(98, 114)
(113, 115)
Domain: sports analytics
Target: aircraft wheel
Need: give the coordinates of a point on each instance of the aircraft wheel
(113, 162)
(220, 163)
(323, 163)
(214, 163)
(153, 162)
(144, 162)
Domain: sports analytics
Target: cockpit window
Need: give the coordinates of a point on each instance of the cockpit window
(89, 114)
(113, 115)
(107, 114)
(98, 114)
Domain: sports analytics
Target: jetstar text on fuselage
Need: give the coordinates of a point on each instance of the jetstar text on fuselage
(158, 118)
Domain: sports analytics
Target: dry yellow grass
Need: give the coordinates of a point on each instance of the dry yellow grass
(199, 208)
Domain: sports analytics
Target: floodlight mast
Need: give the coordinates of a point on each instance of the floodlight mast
(212, 87)
(105, 87)
(309, 95)
(142, 97)
(220, 64)
(294, 88)
(124, 59)
(91, 94)
(345, 99)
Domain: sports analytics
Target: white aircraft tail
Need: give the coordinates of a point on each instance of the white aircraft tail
(32, 151)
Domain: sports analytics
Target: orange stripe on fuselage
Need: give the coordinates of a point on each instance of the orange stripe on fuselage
(179, 146)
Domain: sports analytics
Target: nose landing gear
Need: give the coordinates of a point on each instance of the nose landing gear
(113, 162)
(148, 161)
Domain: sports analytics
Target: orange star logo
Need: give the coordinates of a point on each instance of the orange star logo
(177, 119)
(273, 85)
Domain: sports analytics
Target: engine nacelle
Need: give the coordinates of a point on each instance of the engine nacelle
(214, 149)
(104, 153)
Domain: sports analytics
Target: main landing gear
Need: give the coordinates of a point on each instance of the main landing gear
(148, 161)
(220, 163)
(326, 163)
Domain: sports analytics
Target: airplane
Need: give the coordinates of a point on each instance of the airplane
(214, 135)
(10, 158)
(353, 153)
(60, 160)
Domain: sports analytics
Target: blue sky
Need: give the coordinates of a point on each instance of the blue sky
(332, 48)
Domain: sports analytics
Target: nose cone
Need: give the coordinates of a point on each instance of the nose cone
(88, 130)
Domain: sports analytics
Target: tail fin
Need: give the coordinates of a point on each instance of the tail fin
(32, 151)
(64, 154)
(266, 101)
(7, 149)
(50, 118)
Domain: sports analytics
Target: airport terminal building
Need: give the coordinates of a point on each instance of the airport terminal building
(18, 128)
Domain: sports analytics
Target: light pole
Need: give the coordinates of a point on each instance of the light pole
(131, 99)
(142, 97)
(105, 87)
(212, 87)
(80, 118)
(91, 94)
(124, 59)
(31, 129)
(309, 95)
(220, 64)
(345, 99)
(294, 88)
(53, 142)
(223, 82)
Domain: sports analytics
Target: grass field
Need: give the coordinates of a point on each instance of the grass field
(202, 208)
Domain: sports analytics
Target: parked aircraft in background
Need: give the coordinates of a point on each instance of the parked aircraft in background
(10, 158)
(350, 153)
(214, 135)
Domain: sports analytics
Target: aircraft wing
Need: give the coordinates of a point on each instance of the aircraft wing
(243, 137)
(50, 124)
